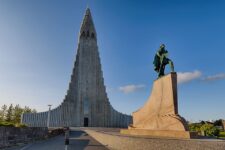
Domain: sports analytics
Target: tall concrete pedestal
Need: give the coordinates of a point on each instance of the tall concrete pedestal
(159, 116)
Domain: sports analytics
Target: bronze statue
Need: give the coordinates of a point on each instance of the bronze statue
(161, 60)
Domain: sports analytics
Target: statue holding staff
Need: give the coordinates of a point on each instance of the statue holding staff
(161, 60)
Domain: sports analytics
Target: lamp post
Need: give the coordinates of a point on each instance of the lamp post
(48, 119)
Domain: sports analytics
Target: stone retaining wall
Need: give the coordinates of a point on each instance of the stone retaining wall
(10, 136)
(122, 142)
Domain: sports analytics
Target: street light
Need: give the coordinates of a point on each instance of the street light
(49, 111)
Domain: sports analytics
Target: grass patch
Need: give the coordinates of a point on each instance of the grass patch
(10, 124)
(222, 134)
(7, 124)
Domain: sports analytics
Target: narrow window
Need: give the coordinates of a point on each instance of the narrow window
(87, 33)
(92, 35)
(86, 107)
(83, 34)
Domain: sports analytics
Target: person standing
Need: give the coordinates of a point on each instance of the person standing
(67, 136)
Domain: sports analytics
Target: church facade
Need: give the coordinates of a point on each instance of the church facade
(86, 103)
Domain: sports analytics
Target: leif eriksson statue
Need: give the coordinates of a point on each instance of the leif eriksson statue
(161, 60)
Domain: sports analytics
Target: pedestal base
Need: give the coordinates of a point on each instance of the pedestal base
(159, 133)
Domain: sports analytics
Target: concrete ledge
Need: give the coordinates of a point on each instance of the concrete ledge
(159, 133)
(115, 141)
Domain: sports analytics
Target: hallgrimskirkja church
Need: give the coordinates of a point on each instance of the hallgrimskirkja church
(86, 103)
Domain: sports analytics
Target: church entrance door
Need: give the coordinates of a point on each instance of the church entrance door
(85, 122)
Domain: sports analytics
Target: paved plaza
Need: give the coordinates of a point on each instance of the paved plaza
(79, 140)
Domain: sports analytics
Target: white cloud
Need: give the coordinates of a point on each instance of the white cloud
(183, 77)
(131, 88)
(214, 77)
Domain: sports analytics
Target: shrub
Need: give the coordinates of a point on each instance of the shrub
(7, 124)
(207, 129)
(222, 134)
(195, 127)
(210, 130)
(20, 125)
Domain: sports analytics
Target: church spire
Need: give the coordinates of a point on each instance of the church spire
(87, 27)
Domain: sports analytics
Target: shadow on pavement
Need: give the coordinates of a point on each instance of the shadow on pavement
(77, 133)
(78, 144)
(79, 140)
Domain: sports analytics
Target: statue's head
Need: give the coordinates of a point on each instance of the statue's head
(162, 46)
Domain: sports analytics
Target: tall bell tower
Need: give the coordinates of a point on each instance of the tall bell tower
(87, 84)
(86, 103)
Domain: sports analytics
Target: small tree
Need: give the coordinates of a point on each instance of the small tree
(209, 130)
(1, 116)
(3, 112)
(9, 114)
(17, 114)
(27, 110)
(195, 127)
(218, 122)
(34, 111)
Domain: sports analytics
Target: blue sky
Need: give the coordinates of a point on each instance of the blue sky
(38, 42)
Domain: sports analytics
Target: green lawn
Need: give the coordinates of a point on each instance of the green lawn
(222, 134)
(4, 123)
(10, 124)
